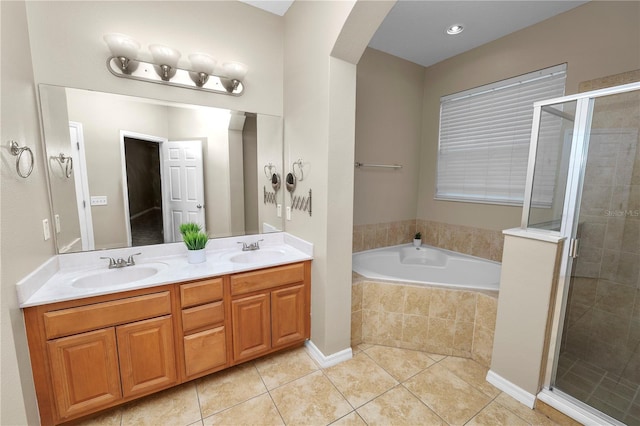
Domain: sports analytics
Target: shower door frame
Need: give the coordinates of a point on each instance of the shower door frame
(573, 193)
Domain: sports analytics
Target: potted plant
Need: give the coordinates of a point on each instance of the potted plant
(417, 239)
(195, 240)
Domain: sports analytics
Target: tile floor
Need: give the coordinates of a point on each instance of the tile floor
(611, 394)
(379, 386)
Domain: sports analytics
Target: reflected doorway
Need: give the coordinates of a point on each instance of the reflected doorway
(144, 190)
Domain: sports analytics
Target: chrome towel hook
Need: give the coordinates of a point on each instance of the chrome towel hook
(17, 151)
(298, 163)
(269, 170)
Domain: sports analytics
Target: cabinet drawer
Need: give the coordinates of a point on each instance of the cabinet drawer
(266, 278)
(99, 315)
(202, 316)
(200, 292)
(204, 351)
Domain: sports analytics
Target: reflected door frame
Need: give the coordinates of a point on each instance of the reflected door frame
(125, 189)
(83, 197)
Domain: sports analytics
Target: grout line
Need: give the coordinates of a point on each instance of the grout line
(198, 398)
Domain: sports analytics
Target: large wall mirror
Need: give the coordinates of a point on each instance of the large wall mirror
(126, 171)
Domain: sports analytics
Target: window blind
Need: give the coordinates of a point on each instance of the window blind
(485, 134)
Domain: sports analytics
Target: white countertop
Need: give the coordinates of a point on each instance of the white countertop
(52, 282)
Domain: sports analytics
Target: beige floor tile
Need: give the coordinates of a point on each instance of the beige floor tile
(522, 411)
(198, 423)
(360, 379)
(256, 411)
(495, 414)
(351, 419)
(229, 387)
(179, 404)
(436, 357)
(285, 367)
(361, 347)
(400, 363)
(447, 395)
(112, 417)
(472, 373)
(398, 407)
(310, 400)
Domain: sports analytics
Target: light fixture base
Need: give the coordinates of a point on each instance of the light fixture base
(146, 71)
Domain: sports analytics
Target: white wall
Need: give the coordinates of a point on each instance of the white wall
(24, 203)
(528, 284)
(55, 123)
(319, 129)
(102, 118)
(269, 150)
(388, 131)
(68, 48)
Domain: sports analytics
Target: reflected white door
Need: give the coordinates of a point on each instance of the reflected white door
(183, 186)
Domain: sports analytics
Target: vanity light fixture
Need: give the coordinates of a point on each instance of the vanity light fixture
(455, 29)
(201, 75)
(123, 48)
(203, 65)
(167, 60)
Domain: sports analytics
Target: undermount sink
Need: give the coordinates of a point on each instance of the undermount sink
(118, 276)
(256, 256)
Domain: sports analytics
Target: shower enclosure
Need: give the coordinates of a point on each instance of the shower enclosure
(584, 185)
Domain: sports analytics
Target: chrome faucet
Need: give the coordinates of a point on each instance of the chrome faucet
(120, 262)
(250, 246)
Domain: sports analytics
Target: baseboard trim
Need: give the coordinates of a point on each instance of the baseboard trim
(326, 361)
(511, 389)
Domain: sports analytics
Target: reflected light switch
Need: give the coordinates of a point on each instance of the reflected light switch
(99, 200)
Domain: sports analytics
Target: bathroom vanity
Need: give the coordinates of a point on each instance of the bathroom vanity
(91, 353)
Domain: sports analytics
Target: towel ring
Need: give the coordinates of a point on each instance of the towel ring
(293, 169)
(68, 168)
(17, 151)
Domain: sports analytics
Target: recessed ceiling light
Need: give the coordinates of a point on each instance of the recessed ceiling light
(455, 29)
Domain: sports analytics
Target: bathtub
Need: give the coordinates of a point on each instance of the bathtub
(428, 265)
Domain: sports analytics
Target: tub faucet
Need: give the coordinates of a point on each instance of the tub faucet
(120, 262)
(250, 246)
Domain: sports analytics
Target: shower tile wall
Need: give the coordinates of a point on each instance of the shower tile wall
(602, 325)
(435, 320)
(463, 239)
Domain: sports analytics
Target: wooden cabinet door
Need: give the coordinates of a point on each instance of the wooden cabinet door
(147, 355)
(204, 351)
(251, 322)
(288, 319)
(84, 370)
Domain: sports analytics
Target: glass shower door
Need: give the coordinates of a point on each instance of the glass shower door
(598, 361)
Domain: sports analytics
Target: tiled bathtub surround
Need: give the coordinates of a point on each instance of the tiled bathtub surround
(463, 239)
(367, 237)
(436, 320)
(479, 242)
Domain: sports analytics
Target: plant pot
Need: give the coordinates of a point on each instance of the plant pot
(196, 256)
(417, 243)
